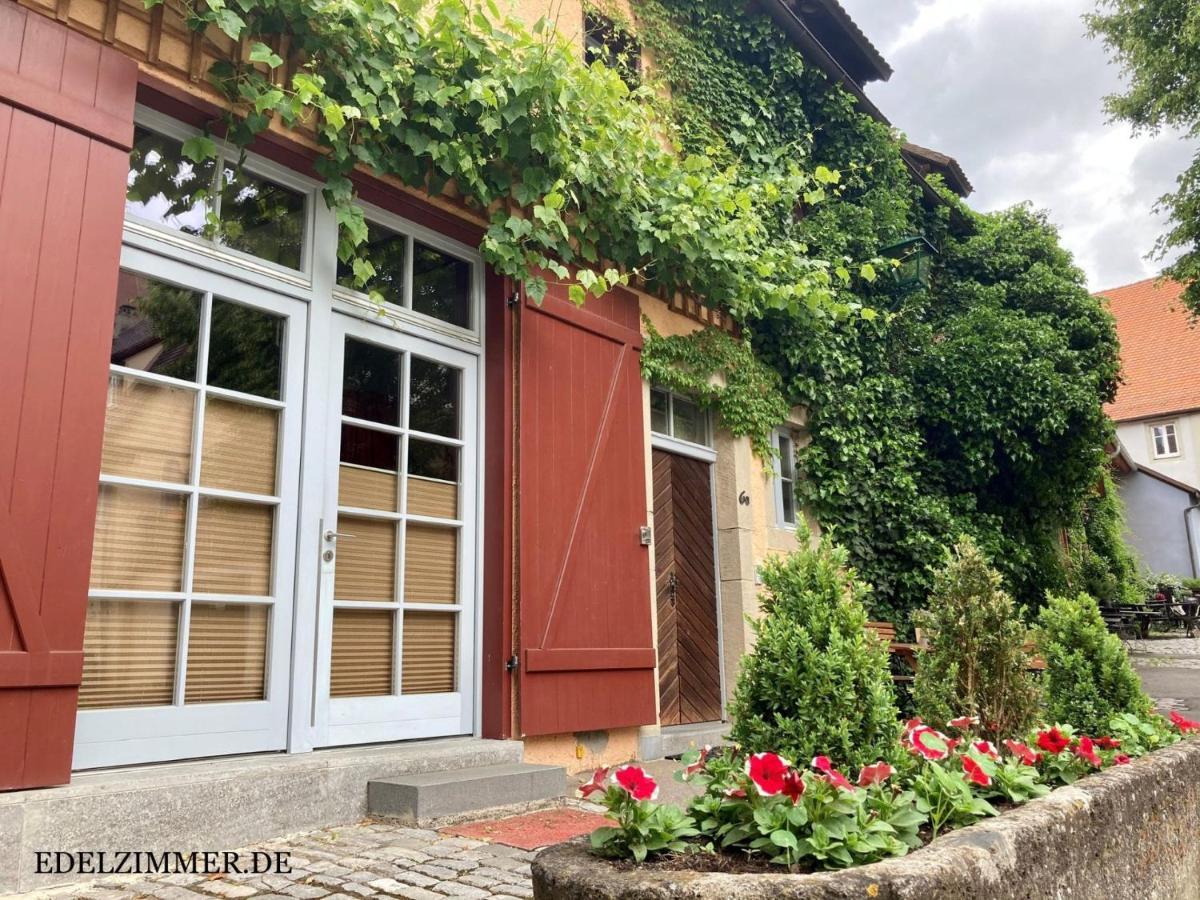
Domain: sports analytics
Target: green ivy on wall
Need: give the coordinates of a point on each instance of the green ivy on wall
(721, 373)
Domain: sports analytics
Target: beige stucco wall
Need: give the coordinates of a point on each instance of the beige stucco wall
(1137, 438)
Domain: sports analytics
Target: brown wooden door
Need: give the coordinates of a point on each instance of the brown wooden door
(586, 638)
(66, 123)
(689, 667)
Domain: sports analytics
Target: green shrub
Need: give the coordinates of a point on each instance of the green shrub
(816, 683)
(1088, 678)
(1192, 585)
(977, 664)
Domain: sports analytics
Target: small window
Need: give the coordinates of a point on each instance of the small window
(785, 480)
(607, 42)
(1166, 442)
(679, 418)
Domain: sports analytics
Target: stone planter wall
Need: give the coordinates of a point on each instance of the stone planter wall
(1129, 833)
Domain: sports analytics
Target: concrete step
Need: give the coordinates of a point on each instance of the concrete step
(434, 795)
(674, 740)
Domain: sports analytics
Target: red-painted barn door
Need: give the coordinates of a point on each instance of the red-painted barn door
(587, 645)
(66, 123)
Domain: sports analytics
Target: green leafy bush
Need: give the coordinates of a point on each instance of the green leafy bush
(1088, 679)
(816, 682)
(977, 664)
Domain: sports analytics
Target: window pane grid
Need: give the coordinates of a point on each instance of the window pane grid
(228, 536)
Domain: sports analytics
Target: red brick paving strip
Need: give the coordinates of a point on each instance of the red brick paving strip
(532, 830)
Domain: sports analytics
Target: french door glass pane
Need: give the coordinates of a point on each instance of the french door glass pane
(441, 286)
(262, 218)
(689, 421)
(164, 186)
(370, 460)
(129, 653)
(226, 653)
(147, 430)
(245, 349)
(156, 328)
(385, 249)
(233, 547)
(239, 449)
(139, 539)
(366, 560)
(427, 656)
(432, 479)
(433, 403)
(361, 664)
(430, 564)
(371, 383)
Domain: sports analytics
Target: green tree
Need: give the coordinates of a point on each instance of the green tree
(977, 664)
(816, 681)
(1157, 44)
(1088, 677)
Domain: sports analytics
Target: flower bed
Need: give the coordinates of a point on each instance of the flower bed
(1129, 831)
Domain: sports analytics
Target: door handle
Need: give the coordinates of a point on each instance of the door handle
(672, 588)
(331, 536)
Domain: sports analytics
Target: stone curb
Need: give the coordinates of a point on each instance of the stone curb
(1128, 832)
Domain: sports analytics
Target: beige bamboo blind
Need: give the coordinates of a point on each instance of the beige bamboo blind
(366, 488)
(226, 653)
(147, 431)
(430, 564)
(361, 665)
(139, 539)
(233, 547)
(427, 656)
(239, 449)
(430, 497)
(129, 653)
(366, 561)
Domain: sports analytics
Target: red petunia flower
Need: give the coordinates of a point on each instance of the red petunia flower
(597, 784)
(766, 770)
(911, 725)
(1053, 741)
(823, 765)
(1023, 753)
(735, 793)
(635, 782)
(974, 772)
(1086, 749)
(963, 722)
(1107, 743)
(1121, 760)
(793, 786)
(985, 748)
(929, 743)
(1184, 725)
(877, 773)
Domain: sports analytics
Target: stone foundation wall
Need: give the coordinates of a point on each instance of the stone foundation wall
(1129, 833)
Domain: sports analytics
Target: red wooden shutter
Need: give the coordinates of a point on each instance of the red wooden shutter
(588, 654)
(66, 124)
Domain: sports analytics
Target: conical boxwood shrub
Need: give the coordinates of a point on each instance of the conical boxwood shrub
(816, 682)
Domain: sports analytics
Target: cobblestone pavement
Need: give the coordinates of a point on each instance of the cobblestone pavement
(1170, 672)
(370, 859)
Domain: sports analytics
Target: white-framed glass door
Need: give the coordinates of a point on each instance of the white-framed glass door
(189, 623)
(397, 600)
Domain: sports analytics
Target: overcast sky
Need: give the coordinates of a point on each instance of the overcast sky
(1013, 90)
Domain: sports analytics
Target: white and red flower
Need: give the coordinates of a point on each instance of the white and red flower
(975, 772)
(597, 784)
(698, 765)
(964, 722)
(929, 743)
(985, 748)
(766, 771)
(635, 782)
(825, 766)
(1053, 741)
(876, 773)
(1085, 749)
(1184, 725)
(1023, 753)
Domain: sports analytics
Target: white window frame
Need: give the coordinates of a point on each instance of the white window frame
(778, 480)
(668, 437)
(1169, 432)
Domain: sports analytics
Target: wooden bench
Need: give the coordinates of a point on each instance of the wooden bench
(886, 631)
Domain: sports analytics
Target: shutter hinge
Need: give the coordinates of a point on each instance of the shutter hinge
(512, 663)
(513, 299)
